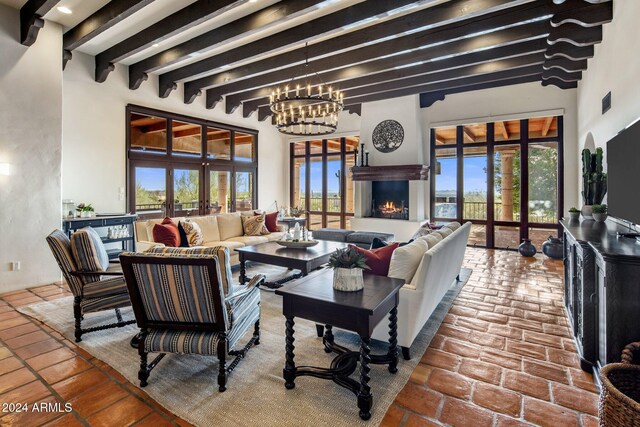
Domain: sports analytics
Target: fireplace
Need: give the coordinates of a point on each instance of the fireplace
(390, 199)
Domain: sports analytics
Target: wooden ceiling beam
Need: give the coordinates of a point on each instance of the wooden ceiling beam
(561, 74)
(553, 81)
(440, 15)
(589, 16)
(247, 25)
(575, 35)
(109, 15)
(31, 19)
(547, 125)
(383, 53)
(503, 129)
(182, 20)
(565, 64)
(569, 51)
(531, 73)
(468, 135)
(431, 70)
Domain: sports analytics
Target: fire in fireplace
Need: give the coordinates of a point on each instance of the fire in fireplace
(390, 199)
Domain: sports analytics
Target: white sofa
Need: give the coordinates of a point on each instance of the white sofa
(439, 267)
(217, 230)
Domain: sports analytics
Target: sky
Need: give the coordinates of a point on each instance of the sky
(475, 178)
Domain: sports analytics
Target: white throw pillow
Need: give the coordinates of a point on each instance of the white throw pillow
(444, 232)
(406, 259)
(432, 239)
(453, 226)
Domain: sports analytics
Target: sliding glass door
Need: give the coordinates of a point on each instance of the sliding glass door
(505, 177)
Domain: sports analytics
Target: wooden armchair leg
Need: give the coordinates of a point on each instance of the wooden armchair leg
(143, 373)
(256, 333)
(77, 314)
(222, 368)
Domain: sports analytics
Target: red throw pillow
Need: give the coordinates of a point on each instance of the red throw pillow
(379, 259)
(167, 233)
(271, 221)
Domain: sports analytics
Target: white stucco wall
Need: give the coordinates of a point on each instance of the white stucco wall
(615, 67)
(94, 135)
(30, 141)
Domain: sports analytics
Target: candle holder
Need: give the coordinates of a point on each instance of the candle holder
(366, 153)
(362, 154)
(355, 157)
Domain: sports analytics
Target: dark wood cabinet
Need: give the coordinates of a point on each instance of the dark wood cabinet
(127, 242)
(602, 289)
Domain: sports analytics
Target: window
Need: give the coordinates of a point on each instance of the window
(505, 177)
(181, 166)
(321, 180)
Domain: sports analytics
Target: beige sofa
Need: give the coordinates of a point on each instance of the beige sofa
(217, 230)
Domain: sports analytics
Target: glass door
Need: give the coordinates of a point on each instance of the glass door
(218, 198)
(186, 191)
(149, 192)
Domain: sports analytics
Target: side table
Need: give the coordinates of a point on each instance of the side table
(313, 298)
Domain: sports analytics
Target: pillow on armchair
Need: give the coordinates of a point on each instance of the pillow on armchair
(89, 252)
(377, 259)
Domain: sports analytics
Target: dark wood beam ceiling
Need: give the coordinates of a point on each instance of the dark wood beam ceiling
(182, 20)
(323, 25)
(271, 15)
(31, 20)
(432, 18)
(113, 12)
(339, 64)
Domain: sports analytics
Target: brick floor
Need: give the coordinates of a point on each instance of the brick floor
(502, 357)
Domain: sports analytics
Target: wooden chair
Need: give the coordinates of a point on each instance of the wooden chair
(93, 289)
(182, 306)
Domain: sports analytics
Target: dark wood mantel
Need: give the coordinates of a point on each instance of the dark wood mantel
(391, 173)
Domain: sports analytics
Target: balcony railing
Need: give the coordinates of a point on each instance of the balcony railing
(478, 210)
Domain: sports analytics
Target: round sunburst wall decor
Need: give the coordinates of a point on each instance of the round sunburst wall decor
(387, 136)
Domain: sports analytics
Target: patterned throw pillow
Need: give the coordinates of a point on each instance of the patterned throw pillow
(254, 225)
(193, 232)
(422, 231)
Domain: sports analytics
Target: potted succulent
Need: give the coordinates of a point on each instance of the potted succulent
(594, 181)
(574, 214)
(86, 211)
(600, 213)
(347, 267)
(296, 212)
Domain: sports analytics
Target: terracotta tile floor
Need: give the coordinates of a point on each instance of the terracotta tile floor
(503, 357)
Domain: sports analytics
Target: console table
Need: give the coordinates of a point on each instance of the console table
(602, 289)
(69, 225)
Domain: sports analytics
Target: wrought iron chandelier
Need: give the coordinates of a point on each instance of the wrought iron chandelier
(305, 110)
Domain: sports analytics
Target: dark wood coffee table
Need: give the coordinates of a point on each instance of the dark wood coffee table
(305, 260)
(315, 299)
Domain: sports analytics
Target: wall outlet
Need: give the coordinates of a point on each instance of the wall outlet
(15, 265)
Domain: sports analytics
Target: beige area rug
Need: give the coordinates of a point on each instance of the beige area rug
(255, 395)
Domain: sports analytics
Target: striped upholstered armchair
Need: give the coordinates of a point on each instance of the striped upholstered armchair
(184, 303)
(84, 263)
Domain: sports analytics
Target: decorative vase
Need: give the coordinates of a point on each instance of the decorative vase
(85, 214)
(600, 217)
(574, 216)
(348, 279)
(553, 248)
(527, 248)
(587, 211)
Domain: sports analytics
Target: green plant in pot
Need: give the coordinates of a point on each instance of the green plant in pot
(600, 213)
(347, 267)
(594, 181)
(86, 211)
(574, 214)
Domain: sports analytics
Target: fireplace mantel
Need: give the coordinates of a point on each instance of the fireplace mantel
(391, 173)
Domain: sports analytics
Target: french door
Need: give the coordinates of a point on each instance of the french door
(320, 180)
(505, 177)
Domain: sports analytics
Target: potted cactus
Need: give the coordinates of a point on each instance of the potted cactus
(594, 181)
(600, 213)
(347, 264)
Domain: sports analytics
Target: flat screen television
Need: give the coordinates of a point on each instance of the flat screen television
(623, 170)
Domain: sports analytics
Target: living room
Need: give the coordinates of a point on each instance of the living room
(89, 86)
